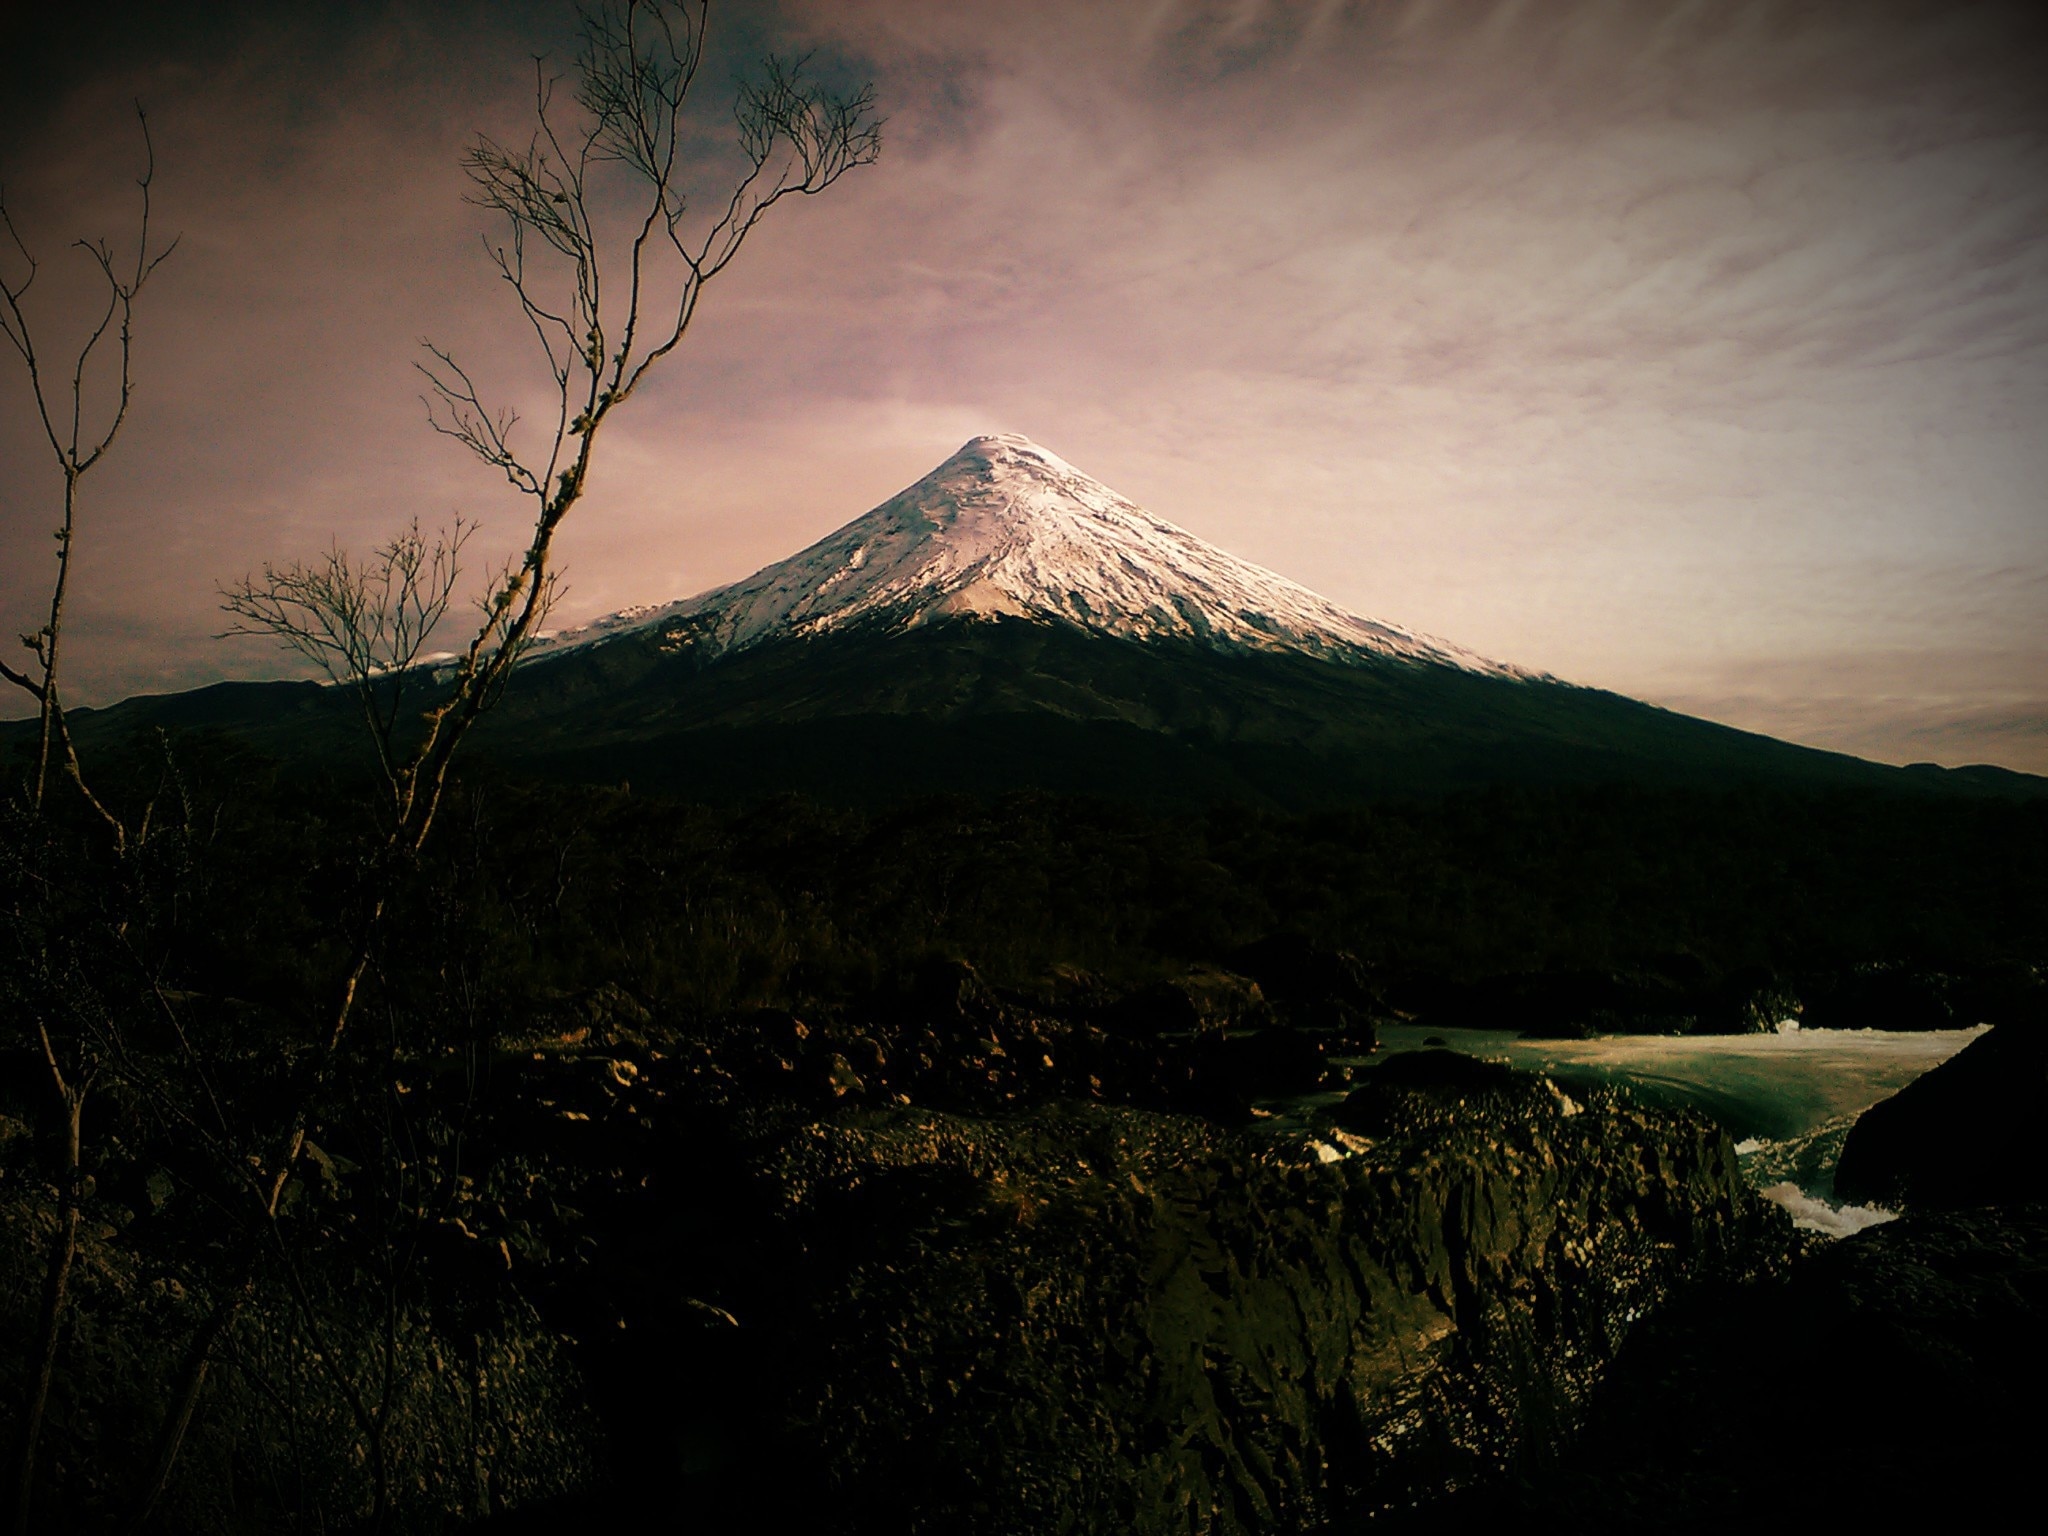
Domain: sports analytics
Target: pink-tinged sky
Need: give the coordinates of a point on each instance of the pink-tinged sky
(1693, 350)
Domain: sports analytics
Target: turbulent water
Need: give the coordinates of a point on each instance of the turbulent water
(1788, 1098)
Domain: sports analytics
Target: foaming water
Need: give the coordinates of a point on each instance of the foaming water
(1817, 1215)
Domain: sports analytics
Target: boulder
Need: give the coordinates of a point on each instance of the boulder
(948, 992)
(1968, 1133)
(1750, 1001)
(1426, 1090)
(1201, 999)
(1262, 1063)
(1310, 988)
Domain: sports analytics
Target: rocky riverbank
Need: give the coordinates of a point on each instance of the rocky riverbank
(1887, 1378)
(1089, 1316)
(953, 1263)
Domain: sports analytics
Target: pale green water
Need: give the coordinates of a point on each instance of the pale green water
(1773, 1087)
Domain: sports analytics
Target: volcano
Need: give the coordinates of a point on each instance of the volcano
(1006, 530)
(1008, 623)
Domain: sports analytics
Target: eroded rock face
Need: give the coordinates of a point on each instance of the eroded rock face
(1090, 1318)
(1889, 1381)
(1968, 1133)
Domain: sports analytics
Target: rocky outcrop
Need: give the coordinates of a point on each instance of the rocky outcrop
(1329, 992)
(1093, 1318)
(1882, 997)
(1888, 1381)
(1203, 999)
(1968, 1133)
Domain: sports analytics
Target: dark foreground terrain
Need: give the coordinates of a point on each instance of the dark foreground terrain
(706, 1285)
(1887, 1379)
(906, 1169)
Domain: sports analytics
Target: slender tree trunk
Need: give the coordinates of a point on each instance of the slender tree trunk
(53, 635)
(191, 1385)
(56, 1293)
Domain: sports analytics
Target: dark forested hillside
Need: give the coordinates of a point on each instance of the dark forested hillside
(996, 707)
(790, 902)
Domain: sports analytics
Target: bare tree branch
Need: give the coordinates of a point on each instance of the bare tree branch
(75, 446)
(77, 443)
(599, 336)
(634, 71)
(364, 624)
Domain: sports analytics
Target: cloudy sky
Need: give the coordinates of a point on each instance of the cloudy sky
(1696, 350)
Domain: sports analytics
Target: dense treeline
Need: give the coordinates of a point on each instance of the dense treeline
(792, 903)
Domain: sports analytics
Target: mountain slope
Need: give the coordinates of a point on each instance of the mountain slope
(980, 705)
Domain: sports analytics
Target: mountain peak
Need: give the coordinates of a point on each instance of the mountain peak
(996, 444)
(1007, 529)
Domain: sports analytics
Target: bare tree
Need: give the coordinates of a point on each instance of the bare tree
(78, 443)
(79, 438)
(602, 319)
(366, 624)
(605, 301)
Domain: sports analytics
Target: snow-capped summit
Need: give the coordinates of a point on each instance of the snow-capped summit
(1005, 528)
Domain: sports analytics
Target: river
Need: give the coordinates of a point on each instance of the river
(1788, 1098)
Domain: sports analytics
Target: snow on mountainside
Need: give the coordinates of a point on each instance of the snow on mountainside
(1005, 529)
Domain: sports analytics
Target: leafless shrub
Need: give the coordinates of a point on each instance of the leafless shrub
(78, 439)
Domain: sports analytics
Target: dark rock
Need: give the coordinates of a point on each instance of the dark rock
(614, 1016)
(1752, 1001)
(1421, 1091)
(1263, 1063)
(1881, 997)
(945, 991)
(1967, 1133)
(2012, 993)
(1197, 1001)
(1311, 988)
(1064, 992)
(1159, 1009)
(1101, 1320)
(833, 1075)
(1913, 1352)
(1440, 1070)
(605, 1015)
(1224, 1000)
(1576, 1028)
(1569, 1005)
